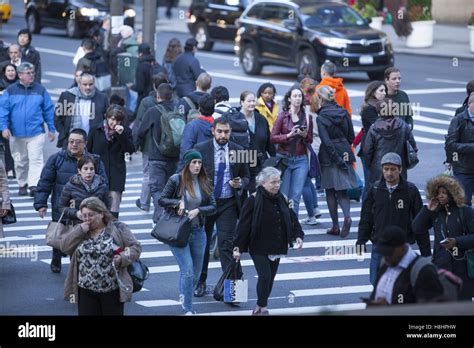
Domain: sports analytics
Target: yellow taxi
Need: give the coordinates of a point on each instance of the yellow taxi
(5, 10)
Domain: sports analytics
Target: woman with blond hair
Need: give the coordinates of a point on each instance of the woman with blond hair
(101, 250)
(336, 158)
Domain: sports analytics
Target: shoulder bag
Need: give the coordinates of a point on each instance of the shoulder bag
(172, 229)
(56, 231)
(10, 218)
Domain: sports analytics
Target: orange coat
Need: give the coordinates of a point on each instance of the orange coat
(340, 97)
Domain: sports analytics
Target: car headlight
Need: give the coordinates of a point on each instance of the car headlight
(130, 13)
(89, 12)
(334, 42)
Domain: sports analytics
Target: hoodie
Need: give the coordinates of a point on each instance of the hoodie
(341, 97)
(387, 134)
(337, 133)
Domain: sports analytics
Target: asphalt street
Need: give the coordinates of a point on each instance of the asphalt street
(323, 275)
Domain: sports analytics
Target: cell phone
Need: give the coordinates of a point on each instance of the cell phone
(444, 241)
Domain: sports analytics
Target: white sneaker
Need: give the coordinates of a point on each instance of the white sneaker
(309, 221)
(190, 313)
(317, 213)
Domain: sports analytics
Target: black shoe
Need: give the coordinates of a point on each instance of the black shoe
(55, 266)
(23, 190)
(32, 191)
(139, 205)
(200, 290)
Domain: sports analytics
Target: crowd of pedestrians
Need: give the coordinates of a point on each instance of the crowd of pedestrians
(238, 172)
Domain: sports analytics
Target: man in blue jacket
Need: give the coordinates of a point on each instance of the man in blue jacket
(24, 108)
(59, 168)
(187, 69)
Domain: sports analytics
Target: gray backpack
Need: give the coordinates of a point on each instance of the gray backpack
(193, 113)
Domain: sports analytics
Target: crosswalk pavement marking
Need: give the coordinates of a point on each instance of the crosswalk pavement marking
(332, 291)
(321, 274)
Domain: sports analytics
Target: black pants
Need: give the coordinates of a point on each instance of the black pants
(266, 270)
(226, 220)
(94, 303)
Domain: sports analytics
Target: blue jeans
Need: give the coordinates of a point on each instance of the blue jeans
(375, 260)
(310, 197)
(294, 178)
(467, 182)
(189, 259)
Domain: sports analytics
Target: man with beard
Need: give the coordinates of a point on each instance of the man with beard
(229, 178)
(390, 201)
(59, 168)
(79, 107)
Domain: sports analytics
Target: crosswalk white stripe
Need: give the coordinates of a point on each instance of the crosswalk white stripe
(297, 310)
(434, 110)
(418, 139)
(333, 291)
(454, 106)
(321, 274)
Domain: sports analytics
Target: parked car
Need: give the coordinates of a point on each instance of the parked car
(5, 10)
(214, 20)
(76, 16)
(300, 32)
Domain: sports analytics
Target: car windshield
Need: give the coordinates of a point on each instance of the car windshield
(339, 16)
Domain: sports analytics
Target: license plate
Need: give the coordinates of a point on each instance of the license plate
(366, 60)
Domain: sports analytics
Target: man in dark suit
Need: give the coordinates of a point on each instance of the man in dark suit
(229, 177)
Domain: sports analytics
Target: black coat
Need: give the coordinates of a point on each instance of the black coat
(461, 230)
(368, 115)
(112, 154)
(274, 233)
(237, 169)
(387, 135)
(63, 113)
(57, 171)
(74, 193)
(145, 104)
(151, 126)
(427, 287)
(460, 141)
(187, 69)
(31, 55)
(336, 133)
(143, 77)
(170, 198)
(260, 141)
(381, 209)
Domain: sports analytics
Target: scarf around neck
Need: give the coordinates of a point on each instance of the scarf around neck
(109, 132)
(92, 186)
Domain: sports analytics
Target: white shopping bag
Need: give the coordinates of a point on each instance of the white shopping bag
(236, 290)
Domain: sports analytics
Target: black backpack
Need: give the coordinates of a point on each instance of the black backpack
(240, 127)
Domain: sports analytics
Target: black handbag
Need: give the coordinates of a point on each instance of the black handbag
(233, 271)
(280, 163)
(10, 218)
(172, 229)
(139, 273)
(412, 156)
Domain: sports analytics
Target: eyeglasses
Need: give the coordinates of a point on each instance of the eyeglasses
(90, 215)
(77, 142)
(28, 73)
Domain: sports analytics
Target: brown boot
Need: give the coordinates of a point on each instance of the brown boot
(334, 231)
(346, 227)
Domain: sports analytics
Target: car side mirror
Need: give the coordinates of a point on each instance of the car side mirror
(290, 24)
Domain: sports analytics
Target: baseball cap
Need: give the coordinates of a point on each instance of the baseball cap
(144, 48)
(191, 43)
(391, 158)
(390, 238)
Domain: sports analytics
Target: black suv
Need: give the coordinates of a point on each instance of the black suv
(214, 20)
(76, 16)
(307, 32)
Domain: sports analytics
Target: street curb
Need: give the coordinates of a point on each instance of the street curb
(436, 55)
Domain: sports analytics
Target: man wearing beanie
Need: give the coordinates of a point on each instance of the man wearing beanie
(28, 52)
(390, 201)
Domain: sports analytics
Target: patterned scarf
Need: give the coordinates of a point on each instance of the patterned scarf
(92, 186)
(109, 132)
